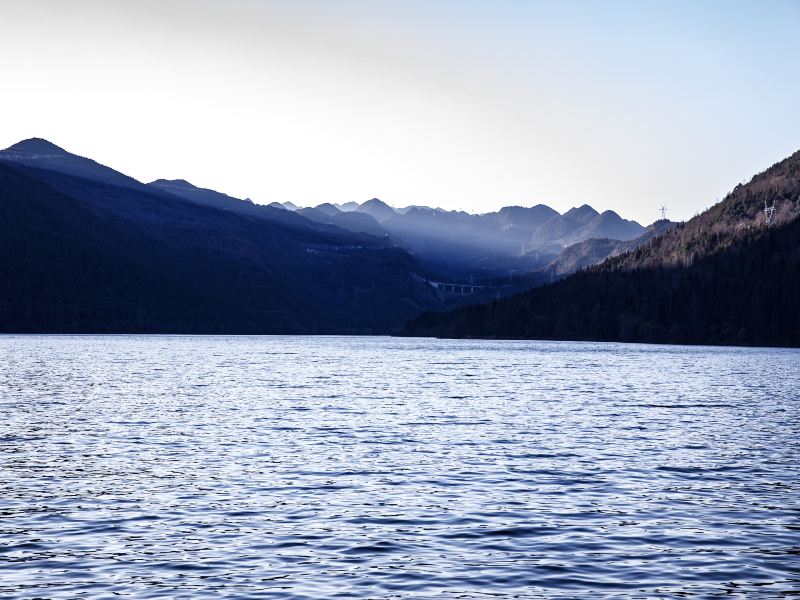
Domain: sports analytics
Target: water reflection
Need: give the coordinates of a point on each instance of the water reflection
(375, 467)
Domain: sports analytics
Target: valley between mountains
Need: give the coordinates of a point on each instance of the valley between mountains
(86, 248)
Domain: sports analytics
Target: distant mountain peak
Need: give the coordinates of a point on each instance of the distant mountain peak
(377, 209)
(583, 213)
(36, 146)
(524, 217)
(583, 209)
(328, 208)
(347, 206)
(375, 202)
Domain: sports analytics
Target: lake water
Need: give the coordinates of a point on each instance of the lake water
(302, 467)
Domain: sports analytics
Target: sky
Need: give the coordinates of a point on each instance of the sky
(459, 104)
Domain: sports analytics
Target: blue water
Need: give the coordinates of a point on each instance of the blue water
(291, 467)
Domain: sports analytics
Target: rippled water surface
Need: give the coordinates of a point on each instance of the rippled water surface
(289, 467)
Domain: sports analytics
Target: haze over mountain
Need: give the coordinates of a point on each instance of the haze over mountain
(460, 244)
(195, 259)
(380, 211)
(595, 250)
(727, 276)
(87, 249)
(453, 240)
(91, 249)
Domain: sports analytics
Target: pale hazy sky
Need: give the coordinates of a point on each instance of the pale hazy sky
(469, 105)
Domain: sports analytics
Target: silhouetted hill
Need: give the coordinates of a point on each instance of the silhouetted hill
(80, 255)
(39, 153)
(724, 277)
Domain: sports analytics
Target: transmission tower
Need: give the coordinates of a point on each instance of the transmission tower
(769, 212)
(663, 210)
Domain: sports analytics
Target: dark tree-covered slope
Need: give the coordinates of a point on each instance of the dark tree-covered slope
(78, 255)
(724, 277)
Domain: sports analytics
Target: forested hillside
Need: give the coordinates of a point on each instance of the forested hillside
(724, 277)
(80, 255)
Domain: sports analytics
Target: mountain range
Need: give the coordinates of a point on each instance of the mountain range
(461, 244)
(731, 275)
(86, 248)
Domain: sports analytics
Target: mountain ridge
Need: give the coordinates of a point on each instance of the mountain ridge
(724, 277)
(82, 255)
(437, 245)
(457, 243)
(30, 152)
